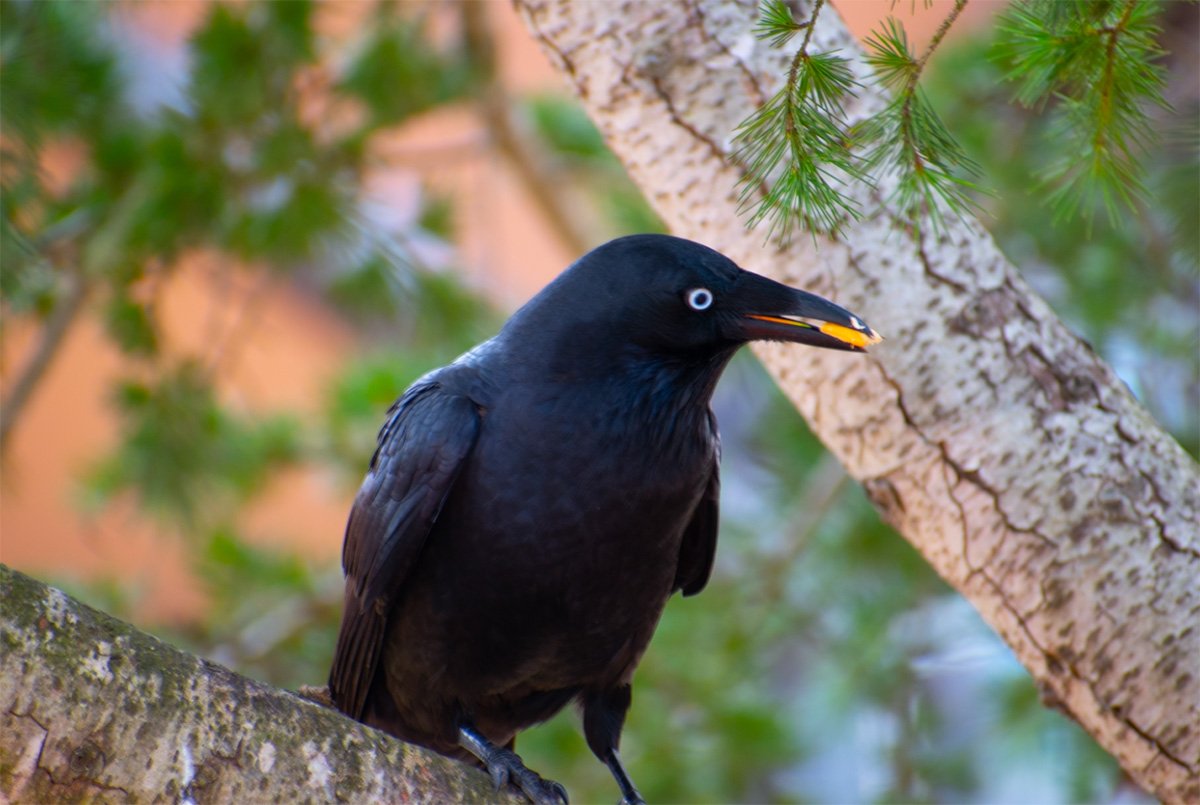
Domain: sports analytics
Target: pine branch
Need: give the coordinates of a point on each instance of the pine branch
(908, 138)
(777, 24)
(1097, 62)
(796, 145)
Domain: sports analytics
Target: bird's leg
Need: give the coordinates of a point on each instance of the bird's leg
(505, 766)
(603, 717)
(629, 792)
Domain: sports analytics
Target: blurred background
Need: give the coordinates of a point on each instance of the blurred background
(234, 233)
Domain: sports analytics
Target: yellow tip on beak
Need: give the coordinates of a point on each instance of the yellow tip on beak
(857, 338)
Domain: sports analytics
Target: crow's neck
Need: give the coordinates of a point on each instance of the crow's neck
(677, 385)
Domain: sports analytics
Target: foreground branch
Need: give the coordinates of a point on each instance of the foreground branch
(91, 708)
(993, 438)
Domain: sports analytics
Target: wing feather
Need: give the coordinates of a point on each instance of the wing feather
(421, 450)
(699, 547)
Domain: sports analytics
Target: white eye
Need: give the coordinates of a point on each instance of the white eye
(699, 298)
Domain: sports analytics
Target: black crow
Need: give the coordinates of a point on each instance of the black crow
(532, 506)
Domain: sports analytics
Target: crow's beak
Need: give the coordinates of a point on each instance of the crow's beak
(771, 311)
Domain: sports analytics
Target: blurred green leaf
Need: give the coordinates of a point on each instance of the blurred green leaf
(578, 151)
(397, 73)
(566, 128)
(39, 41)
(188, 460)
(130, 325)
(437, 215)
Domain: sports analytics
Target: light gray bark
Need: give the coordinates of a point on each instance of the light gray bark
(92, 709)
(992, 437)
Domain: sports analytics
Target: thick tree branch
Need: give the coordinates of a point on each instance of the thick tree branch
(993, 438)
(93, 709)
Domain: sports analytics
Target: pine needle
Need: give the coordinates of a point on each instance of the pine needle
(908, 139)
(1096, 65)
(795, 148)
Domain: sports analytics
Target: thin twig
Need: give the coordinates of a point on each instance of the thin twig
(812, 25)
(823, 488)
(910, 88)
(959, 5)
(1113, 33)
(494, 107)
(64, 314)
(910, 92)
(789, 97)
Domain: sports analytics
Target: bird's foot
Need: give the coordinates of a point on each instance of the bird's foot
(637, 800)
(505, 767)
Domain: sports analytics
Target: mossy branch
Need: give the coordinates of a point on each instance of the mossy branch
(91, 708)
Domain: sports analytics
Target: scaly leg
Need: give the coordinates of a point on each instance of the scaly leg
(603, 717)
(505, 766)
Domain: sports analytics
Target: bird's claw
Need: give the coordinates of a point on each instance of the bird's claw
(635, 801)
(560, 793)
(506, 767)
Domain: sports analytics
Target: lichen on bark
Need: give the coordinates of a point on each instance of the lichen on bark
(93, 709)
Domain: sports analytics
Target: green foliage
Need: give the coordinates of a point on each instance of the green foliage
(799, 155)
(776, 23)
(800, 132)
(437, 216)
(235, 168)
(38, 40)
(243, 60)
(1096, 62)
(908, 139)
(398, 74)
(577, 153)
(188, 460)
(795, 149)
(1100, 65)
(130, 324)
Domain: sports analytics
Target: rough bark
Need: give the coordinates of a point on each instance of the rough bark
(92, 709)
(988, 434)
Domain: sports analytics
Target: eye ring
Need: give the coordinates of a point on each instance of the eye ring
(699, 298)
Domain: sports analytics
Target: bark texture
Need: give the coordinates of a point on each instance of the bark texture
(92, 709)
(992, 437)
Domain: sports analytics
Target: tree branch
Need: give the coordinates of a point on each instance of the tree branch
(92, 708)
(494, 107)
(992, 437)
(66, 309)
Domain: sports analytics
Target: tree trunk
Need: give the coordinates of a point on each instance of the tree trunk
(92, 709)
(989, 435)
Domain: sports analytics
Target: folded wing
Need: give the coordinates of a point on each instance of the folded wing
(422, 448)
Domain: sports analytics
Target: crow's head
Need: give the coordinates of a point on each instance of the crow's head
(670, 296)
